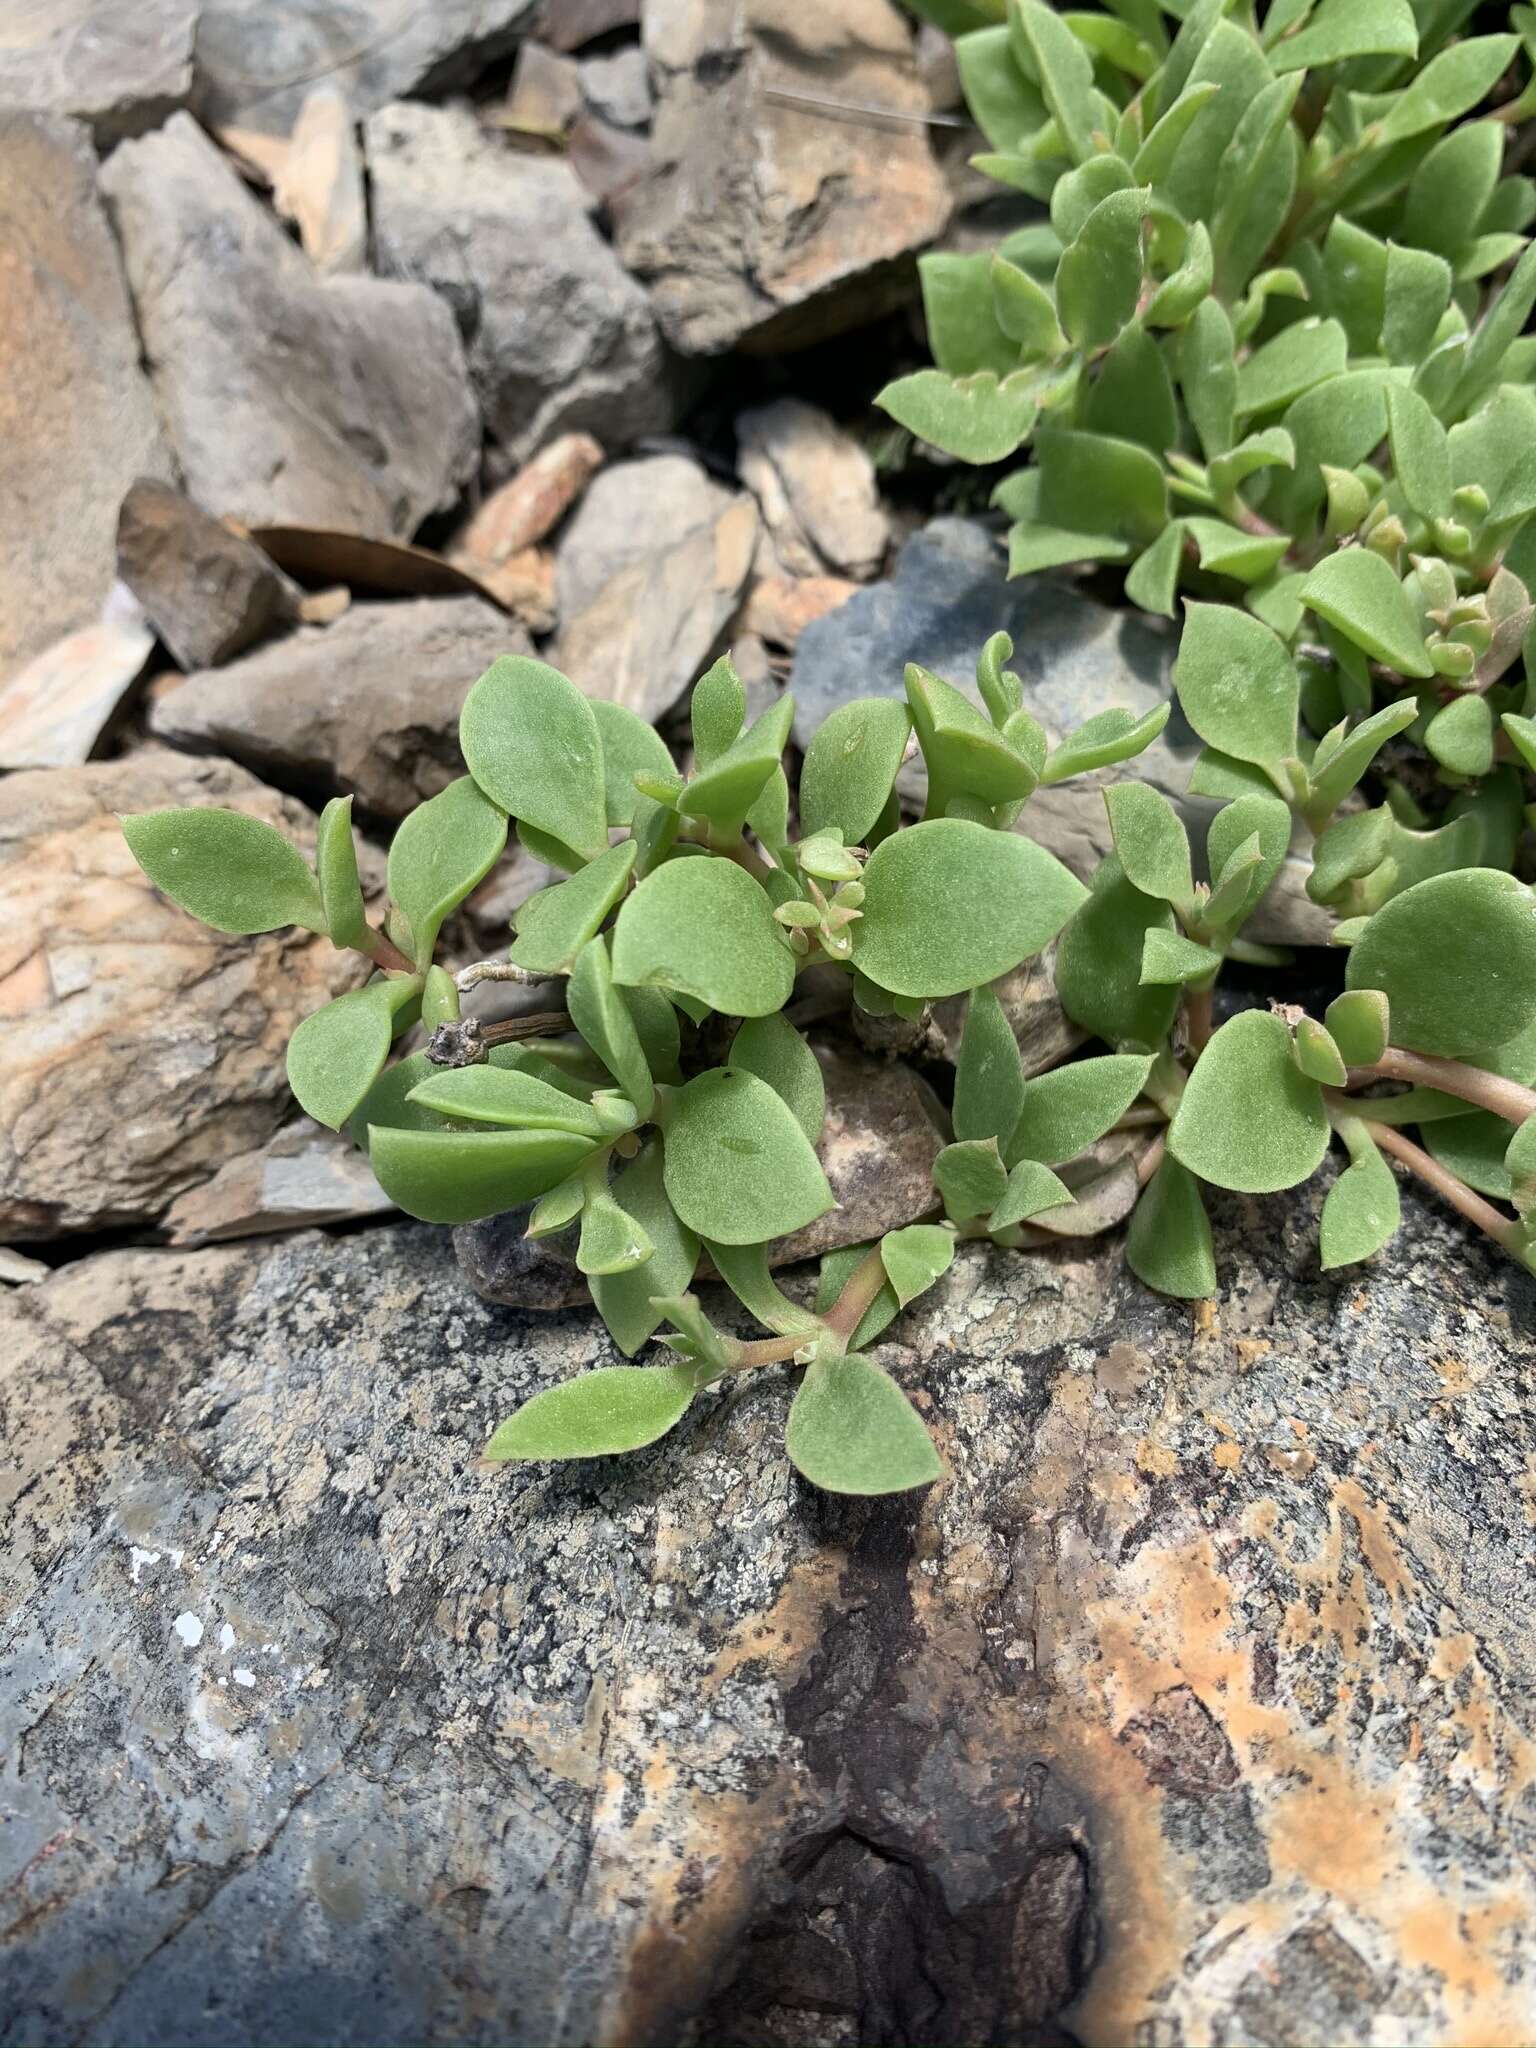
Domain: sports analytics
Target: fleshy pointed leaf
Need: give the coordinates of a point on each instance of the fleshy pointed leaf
(1363, 1209)
(346, 916)
(1249, 1119)
(555, 923)
(774, 1050)
(495, 1095)
(531, 741)
(915, 1258)
(705, 929)
(234, 872)
(337, 1053)
(1237, 683)
(598, 1414)
(1032, 1189)
(850, 767)
(627, 1301)
(1168, 1246)
(443, 851)
(458, 1176)
(604, 1019)
(630, 748)
(1069, 1108)
(989, 1074)
(978, 418)
(738, 1167)
(971, 1177)
(1355, 590)
(852, 1430)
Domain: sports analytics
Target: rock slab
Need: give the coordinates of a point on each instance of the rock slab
(207, 591)
(288, 400)
(1076, 657)
(1174, 1713)
(142, 1049)
(559, 337)
(120, 68)
(77, 416)
(368, 706)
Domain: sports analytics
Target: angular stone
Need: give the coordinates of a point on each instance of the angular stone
(142, 1049)
(77, 416)
(781, 607)
(608, 160)
(816, 489)
(1069, 1746)
(54, 711)
(367, 706)
(320, 185)
(764, 221)
(529, 505)
(304, 1176)
(545, 95)
(629, 511)
(256, 60)
(121, 68)
(947, 595)
(617, 86)
(288, 400)
(558, 336)
(570, 24)
(208, 592)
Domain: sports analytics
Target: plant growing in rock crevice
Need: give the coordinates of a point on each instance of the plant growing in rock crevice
(691, 908)
(1258, 355)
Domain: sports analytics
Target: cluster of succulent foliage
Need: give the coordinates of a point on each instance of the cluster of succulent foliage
(1258, 355)
(670, 1105)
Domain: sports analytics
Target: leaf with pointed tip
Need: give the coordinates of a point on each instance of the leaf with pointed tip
(1300, 356)
(1168, 1246)
(1101, 741)
(1450, 85)
(1334, 779)
(627, 1301)
(1353, 846)
(458, 1176)
(965, 753)
(1168, 958)
(850, 767)
(914, 1258)
(337, 1053)
(1359, 1023)
(1363, 1209)
(837, 1269)
(600, 1013)
(1355, 590)
(1208, 376)
(1025, 310)
(1152, 581)
(598, 1414)
(532, 743)
(1067, 1109)
(704, 928)
(852, 1430)
(1096, 484)
(727, 789)
(971, 1177)
(1455, 956)
(494, 1095)
(1099, 277)
(1234, 826)
(1317, 1056)
(612, 1241)
(443, 851)
(774, 1050)
(1098, 959)
(1249, 1119)
(1473, 1147)
(717, 710)
(1237, 684)
(234, 872)
(949, 905)
(739, 1168)
(346, 917)
(630, 748)
(1032, 1189)
(989, 1074)
(1340, 29)
(1150, 841)
(976, 418)
(555, 923)
(1460, 735)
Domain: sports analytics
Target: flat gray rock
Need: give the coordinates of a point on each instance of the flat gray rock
(121, 65)
(1194, 1705)
(288, 400)
(142, 1049)
(558, 335)
(208, 592)
(79, 416)
(368, 706)
(948, 593)
(256, 59)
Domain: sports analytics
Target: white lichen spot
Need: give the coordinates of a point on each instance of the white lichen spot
(176, 1556)
(189, 1628)
(226, 1637)
(137, 1559)
(243, 1677)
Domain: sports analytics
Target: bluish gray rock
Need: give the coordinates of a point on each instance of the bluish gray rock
(1077, 657)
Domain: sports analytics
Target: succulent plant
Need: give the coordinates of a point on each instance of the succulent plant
(1260, 355)
(670, 1104)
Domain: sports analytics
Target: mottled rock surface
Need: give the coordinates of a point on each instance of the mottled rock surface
(949, 591)
(762, 222)
(256, 59)
(142, 1050)
(122, 68)
(816, 489)
(1194, 1705)
(56, 707)
(77, 417)
(289, 400)
(368, 706)
(557, 334)
(208, 592)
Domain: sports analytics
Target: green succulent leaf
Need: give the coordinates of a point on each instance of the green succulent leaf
(494, 1095)
(337, 1053)
(444, 1176)
(1025, 310)
(1237, 684)
(1069, 1108)
(914, 1258)
(837, 1269)
(1092, 484)
(989, 1074)
(1362, 1210)
(774, 1050)
(1356, 591)
(612, 1241)
(1098, 963)
(850, 767)
(1461, 736)
(727, 789)
(234, 872)
(705, 929)
(346, 915)
(976, 418)
(605, 1020)
(1249, 1119)
(532, 743)
(739, 1168)
(852, 1430)
(443, 851)
(627, 1301)
(598, 1414)
(1099, 277)
(1168, 1245)
(1151, 844)
(1474, 1148)
(1450, 85)
(1339, 29)
(1169, 958)
(971, 1178)
(1103, 740)
(965, 753)
(949, 905)
(1474, 929)
(717, 711)
(1358, 1022)
(1317, 1056)
(1032, 1190)
(631, 747)
(555, 923)
(1334, 776)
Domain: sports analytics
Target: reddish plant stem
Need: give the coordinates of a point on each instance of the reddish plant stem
(769, 1351)
(1151, 1159)
(864, 1283)
(1507, 1099)
(537, 1024)
(1198, 1017)
(1502, 1229)
(386, 954)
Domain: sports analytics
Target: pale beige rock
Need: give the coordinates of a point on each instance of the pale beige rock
(208, 592)
(568, 24)
(531, 504)
(77, 417)
(631, 510)
(816, 488)
(55, 709)
(545, 95)
(764, 222)
(304, 1176)
(781, 607)
(141, 1048)
(524, 584)
(319, 186)
(17, 1270)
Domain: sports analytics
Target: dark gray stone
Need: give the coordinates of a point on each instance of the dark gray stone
(208, 592)
(1076, 657)
(1194, 1705)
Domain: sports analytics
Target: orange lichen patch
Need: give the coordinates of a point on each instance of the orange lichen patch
(1160, 1460)
(1207, 1322)
(569, 1747)
(1226, 1457)
(790, 1629)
